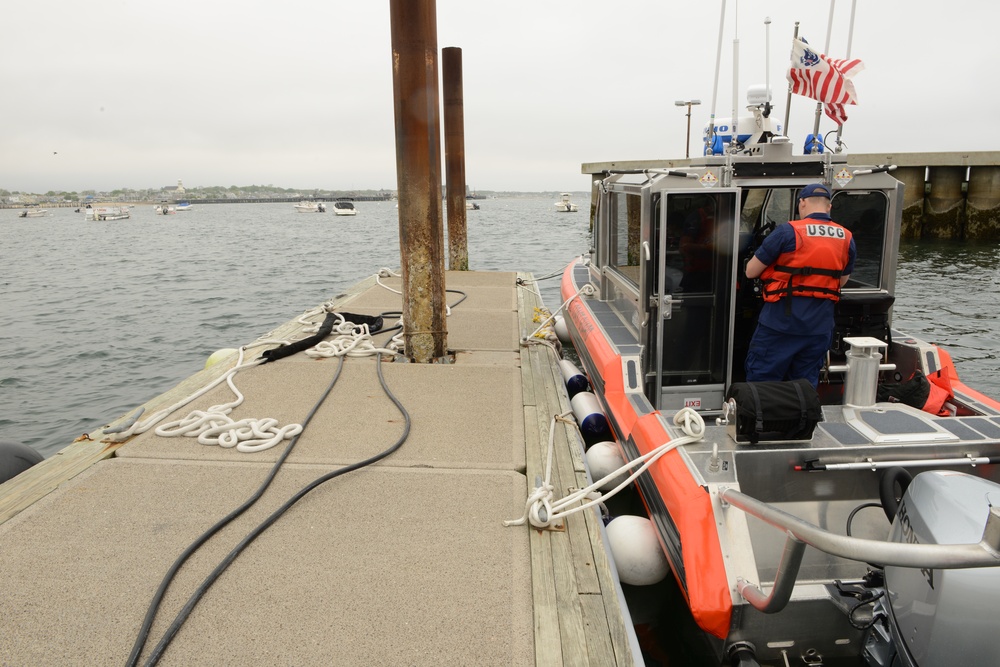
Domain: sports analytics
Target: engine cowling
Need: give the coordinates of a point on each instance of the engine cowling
(944, 617)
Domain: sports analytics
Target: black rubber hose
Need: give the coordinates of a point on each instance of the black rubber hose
(154, 604)
(253, 534)
(888, 481)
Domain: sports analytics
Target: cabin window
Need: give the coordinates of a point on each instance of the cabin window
(864, 213)
(625, 237)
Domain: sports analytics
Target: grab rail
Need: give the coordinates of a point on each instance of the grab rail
(799, 533)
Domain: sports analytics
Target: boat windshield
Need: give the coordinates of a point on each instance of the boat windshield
(864, 213)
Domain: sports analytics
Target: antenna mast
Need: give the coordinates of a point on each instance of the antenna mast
(819, 105)
(710, 137)
(850, 39)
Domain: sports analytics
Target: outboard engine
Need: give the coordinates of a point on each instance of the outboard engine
(933, 618)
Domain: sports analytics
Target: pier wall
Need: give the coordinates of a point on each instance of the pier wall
(947, 195)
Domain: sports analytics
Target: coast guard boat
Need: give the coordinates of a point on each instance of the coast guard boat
(858, 530)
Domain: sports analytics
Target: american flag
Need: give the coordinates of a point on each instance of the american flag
(825, 79)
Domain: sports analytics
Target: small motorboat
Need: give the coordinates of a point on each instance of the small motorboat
(108, 213)
(564, 205)
(310, 207)
(344, 207)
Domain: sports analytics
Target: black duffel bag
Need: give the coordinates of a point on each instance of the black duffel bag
(775, 411)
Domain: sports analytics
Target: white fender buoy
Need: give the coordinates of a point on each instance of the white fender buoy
(574, 379)
(593, 424)
(562, 331)
(15, 458)
(219, 355)
(637, 553)
(603, 458)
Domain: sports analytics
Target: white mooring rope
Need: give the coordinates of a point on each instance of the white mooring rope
(215, 427)
(541, 511)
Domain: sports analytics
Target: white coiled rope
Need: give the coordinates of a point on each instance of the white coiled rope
(353, 340)
(541, 511)
(215, 427)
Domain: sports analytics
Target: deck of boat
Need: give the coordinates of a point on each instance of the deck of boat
(402, 562)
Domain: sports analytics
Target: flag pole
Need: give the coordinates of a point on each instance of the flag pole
(850, 39)
(788, 98)
(819, 105)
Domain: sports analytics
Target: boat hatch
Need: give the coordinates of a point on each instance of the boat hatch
(892, 424)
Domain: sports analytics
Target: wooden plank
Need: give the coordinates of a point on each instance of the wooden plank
(600, 650)
(571, 627)
(548, 638)
(579, 582)
(620, 640)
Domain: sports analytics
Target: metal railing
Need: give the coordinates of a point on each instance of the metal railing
(800, 533)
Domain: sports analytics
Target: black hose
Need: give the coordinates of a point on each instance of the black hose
(154, 605)
(253, 534)
(887, 483)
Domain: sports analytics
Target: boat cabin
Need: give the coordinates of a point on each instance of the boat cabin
(670, 250)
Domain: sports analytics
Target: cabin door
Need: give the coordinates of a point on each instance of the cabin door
(691, 319)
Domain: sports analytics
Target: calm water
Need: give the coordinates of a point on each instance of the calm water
(96, 318)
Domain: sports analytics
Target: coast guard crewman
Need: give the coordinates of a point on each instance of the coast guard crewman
(803, 264)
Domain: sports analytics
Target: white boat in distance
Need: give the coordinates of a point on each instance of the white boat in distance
(310, 207)
(108, 213)
(164, 209)
(344, 207)
(183, 206)
(34, 213)
(564, 205)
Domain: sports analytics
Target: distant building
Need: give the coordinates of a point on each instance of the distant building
(171, 191)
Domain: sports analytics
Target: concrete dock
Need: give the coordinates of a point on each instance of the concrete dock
(403, 562)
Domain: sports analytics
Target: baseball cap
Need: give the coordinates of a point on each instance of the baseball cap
(815, 190)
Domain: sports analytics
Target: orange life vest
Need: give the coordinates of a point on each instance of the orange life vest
(821, 253)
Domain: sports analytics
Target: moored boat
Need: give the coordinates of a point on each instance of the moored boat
(108, 213)
(344, 207)
(857, 526)
(183, 206)
(310, 207)
(564, 205)
(34, 213)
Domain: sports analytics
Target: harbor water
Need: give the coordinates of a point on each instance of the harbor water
(96, 318)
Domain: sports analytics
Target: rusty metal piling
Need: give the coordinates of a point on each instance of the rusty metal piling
(418, 175)
(454, 158)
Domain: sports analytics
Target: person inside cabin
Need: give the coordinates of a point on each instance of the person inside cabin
(803, 264)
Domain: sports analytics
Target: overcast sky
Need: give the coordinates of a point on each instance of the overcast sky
(109, 94)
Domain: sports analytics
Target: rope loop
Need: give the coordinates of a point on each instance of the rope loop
(541, 498)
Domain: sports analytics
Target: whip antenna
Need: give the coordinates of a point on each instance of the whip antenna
(850, 39)
(710, 137)
(819, 105)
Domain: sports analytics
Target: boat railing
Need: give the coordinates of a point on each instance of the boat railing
(800, 533)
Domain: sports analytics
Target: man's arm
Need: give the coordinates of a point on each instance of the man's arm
(755, 267)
